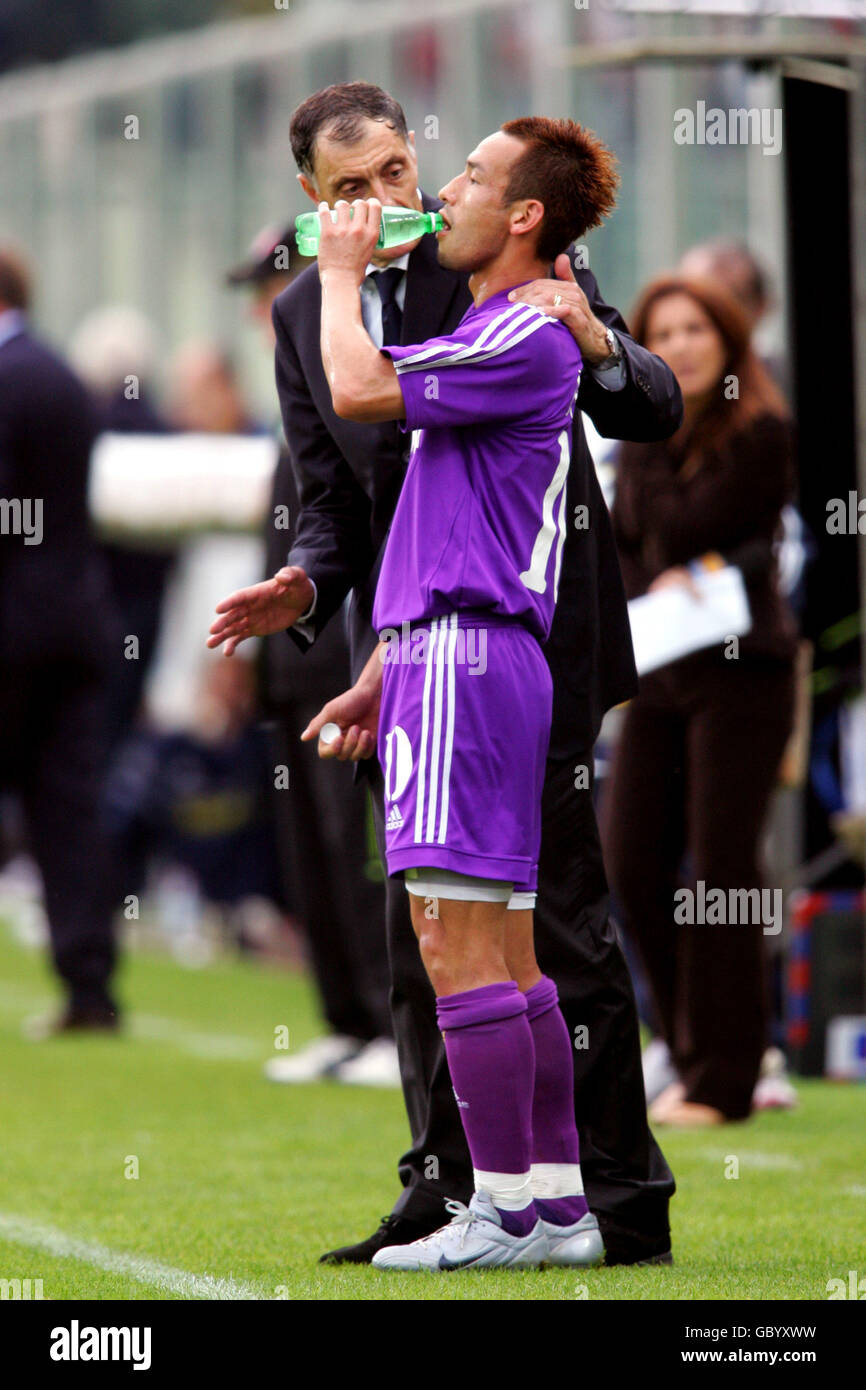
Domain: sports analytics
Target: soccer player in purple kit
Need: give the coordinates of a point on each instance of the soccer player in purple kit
(476, 542)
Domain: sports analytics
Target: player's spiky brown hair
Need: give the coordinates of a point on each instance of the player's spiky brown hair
(570, 171)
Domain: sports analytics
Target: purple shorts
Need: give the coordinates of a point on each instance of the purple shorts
(464, 728)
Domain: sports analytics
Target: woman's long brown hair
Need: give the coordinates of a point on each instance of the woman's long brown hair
(757, 392)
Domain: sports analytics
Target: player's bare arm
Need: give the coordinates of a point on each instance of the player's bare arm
(363, 383)
(563, 299)
(356, 715)
(272, 606)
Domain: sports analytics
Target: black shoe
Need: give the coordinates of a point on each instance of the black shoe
(393, 1230)
(664, 1258)
(629, 1248)
(72, 1020)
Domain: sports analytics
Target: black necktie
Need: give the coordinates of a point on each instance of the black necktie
(392, 315)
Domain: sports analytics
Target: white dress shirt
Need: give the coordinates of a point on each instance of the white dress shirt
(371, 313)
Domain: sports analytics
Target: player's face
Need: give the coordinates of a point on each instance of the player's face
(477, 222)
(683, 335)
(381, 164)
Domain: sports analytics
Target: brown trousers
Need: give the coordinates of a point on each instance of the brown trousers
(693, 774)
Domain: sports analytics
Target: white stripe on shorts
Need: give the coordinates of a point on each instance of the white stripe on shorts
(422, 754)
(449, 728)
(434, 763)
(435, 655)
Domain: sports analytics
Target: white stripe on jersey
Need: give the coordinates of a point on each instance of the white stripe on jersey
(562, 526)
(508, 337)
(491, 337)
(427, 352)
(513, 340)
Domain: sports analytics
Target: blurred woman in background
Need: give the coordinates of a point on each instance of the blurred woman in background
(702, 741)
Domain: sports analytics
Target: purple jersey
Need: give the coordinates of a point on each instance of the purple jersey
(480, 522)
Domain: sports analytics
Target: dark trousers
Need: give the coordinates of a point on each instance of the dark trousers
(693, 773)
(52, 752)
(628, 1183)
(321, 825)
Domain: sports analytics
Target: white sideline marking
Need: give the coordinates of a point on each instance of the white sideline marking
(144, 1271)
(782, 1161)
(13, 998)
(211, 1046)
(755, 1159)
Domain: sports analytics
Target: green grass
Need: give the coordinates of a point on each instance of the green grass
(249, 1181)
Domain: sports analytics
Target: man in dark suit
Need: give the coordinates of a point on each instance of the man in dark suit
(351, 142)
(56, 641)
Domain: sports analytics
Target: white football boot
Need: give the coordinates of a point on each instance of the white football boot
(659, 1071)
(579, 1244)
(473, 1239)
(317, 1061)
(375, 1065)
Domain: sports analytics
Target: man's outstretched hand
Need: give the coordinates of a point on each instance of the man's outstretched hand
(573, 308)
(271, 606)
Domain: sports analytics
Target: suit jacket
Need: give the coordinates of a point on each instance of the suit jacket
(732, 504)
(349, 477)
(55, 604)
(287, 679)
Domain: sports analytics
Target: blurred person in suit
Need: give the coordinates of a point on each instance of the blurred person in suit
(331, 874)
(115, 351)
(204, 393)
(197, 799)
(351, 140)
(58, 642)
(701, 744)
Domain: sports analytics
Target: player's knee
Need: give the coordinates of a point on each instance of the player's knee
(524, 971)
(454, 965)
(436, 955)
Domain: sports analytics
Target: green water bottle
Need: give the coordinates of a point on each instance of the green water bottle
(397, 226)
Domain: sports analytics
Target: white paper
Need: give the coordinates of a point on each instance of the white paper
(672, 623)
(852, 753)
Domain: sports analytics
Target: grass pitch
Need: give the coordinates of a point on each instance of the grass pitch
(161, 1165)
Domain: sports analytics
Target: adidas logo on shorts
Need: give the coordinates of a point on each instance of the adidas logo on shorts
(395, 820)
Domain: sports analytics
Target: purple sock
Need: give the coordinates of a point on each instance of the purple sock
(554, 1132)
(488, 1043)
